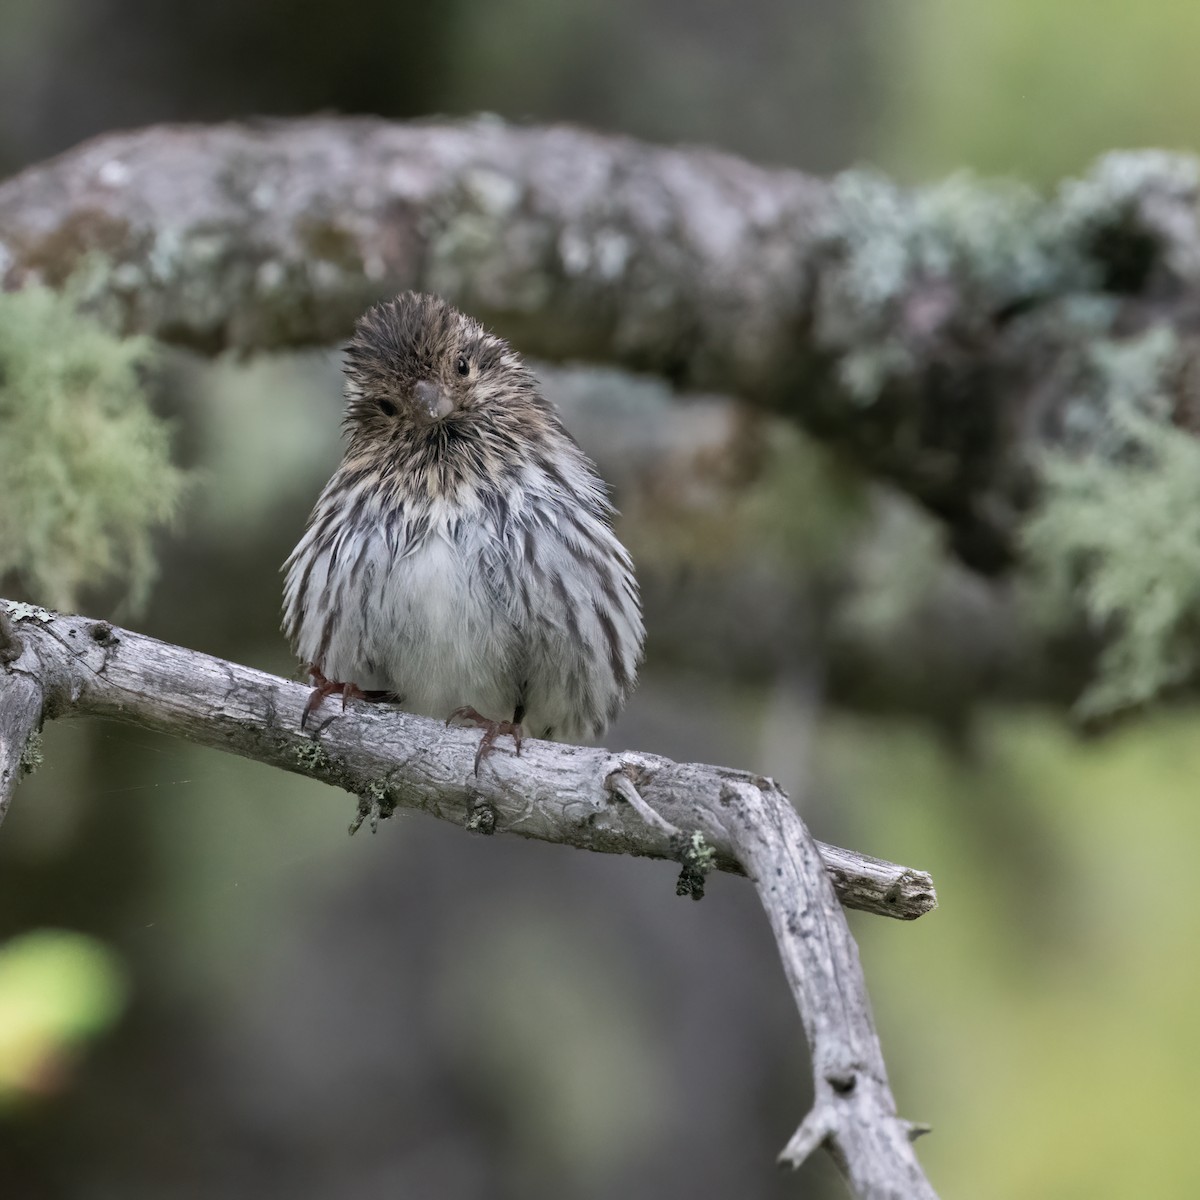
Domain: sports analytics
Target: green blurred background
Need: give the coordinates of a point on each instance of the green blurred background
(263, 1006)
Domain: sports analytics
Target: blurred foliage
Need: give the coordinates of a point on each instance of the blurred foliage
(1029, 88)
(769, 495)
(86, 464)
(1043, 1018)
(785, 80)
(1117, 529)
(895, 566)
(570, 1109)
(58, 989)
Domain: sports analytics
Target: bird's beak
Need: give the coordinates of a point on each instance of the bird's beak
(432, 400)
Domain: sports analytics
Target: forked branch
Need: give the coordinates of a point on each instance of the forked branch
(57, 666)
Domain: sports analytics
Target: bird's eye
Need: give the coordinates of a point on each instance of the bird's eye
(387, 408)
(464, 367)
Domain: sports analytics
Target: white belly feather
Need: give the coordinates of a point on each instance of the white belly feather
(418, 625)
(493, 617)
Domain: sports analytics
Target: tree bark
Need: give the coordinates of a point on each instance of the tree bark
(933, 334)
(21, 700)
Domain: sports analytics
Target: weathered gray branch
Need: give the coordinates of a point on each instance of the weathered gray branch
(20, 710)
(853, 1115)
(58, 666)
(937, 335)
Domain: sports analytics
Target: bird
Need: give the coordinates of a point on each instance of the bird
(461, 561)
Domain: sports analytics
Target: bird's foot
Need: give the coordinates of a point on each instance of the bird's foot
(491, 731)
(323, 687)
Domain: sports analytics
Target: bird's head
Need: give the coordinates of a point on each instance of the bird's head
(416, 365)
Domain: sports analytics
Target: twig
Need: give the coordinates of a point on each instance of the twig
(626, 803)
(620, 783)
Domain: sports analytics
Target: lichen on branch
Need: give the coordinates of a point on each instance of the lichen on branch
(1116, 533)
(86, 464)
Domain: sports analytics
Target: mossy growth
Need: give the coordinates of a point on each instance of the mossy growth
(991, 238)
(375, 804)
(696, 858)
(311, 756)
(1001, 245)
(32, 755)
(1117, 529)
(481, 817)
(85, 464)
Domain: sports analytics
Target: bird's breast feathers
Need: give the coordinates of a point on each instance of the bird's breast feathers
(490, 601)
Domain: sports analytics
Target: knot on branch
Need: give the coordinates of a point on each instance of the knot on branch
(102, 634)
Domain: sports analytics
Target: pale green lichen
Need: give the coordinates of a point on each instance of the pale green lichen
(700, 852)
(696, 858)
(988, 237)
(1000, 245)
(32, 755)
(481, 817)
(375, 803)
(86, 465)
(311, 756)
(480, 245)
(20, 611)
(1122, 182)
(987, 234)
(1117, 529)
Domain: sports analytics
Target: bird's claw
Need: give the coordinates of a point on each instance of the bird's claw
(491, 731)
(323, 687)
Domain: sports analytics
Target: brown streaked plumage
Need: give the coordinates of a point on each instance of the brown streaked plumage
(461, 560)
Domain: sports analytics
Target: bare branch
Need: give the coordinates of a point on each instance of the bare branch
(854, 1114)
(553, 792)
(20, 710)
(20, 718)
(10, 644)
(935, 334)
(729, 820)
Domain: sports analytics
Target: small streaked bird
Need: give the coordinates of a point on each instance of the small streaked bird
(461, 562)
